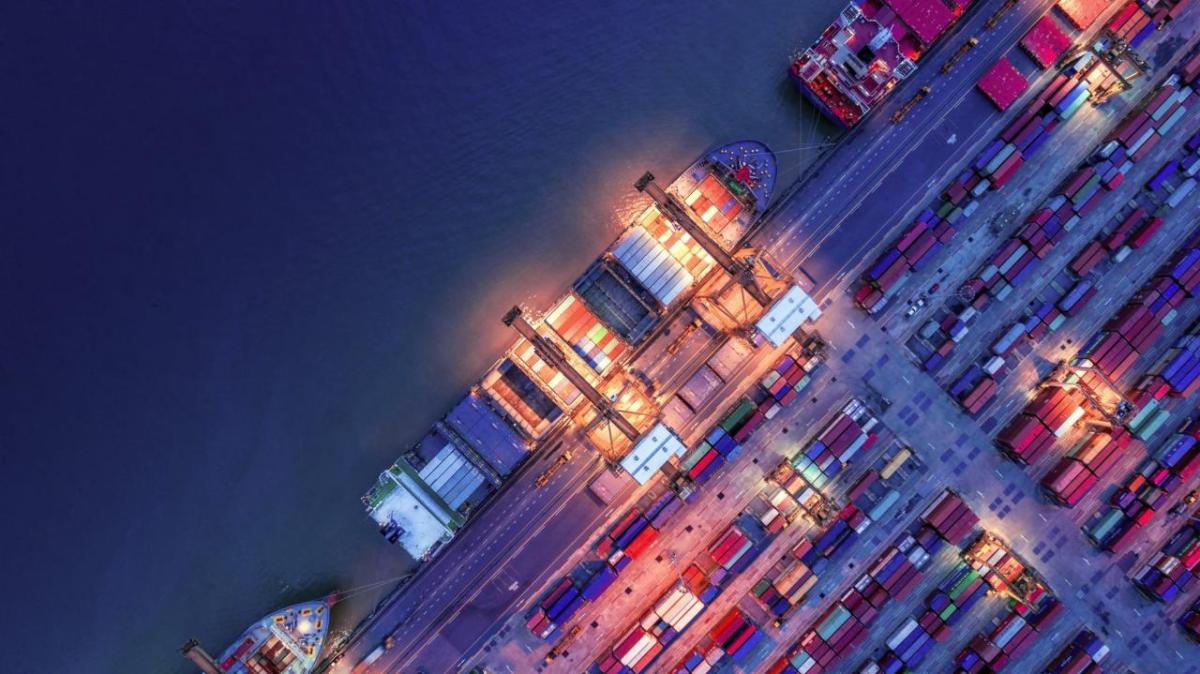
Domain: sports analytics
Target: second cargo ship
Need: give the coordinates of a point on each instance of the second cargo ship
(872, 46)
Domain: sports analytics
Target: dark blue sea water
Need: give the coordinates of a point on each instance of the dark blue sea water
(251, 250)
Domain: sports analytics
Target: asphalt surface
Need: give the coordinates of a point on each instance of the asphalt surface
(470, 597)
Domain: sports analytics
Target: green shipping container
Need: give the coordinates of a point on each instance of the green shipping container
(947, 612)
(1151, 427)
(1105, 526)
(833, 623)
(737, 415)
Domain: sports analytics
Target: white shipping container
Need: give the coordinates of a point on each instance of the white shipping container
(668, 602)
(1076, 415)
(639, 649)
(688, 617)
(901, 634)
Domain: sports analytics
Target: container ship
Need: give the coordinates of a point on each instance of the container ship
(287, 641)
(873, 45)
(574, 364)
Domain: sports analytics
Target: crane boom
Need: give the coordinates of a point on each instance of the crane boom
(549, 352)
(671, 207)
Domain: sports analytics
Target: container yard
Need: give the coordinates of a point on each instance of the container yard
(992, 469)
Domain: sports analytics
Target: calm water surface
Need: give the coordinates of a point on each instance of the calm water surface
(251, 250)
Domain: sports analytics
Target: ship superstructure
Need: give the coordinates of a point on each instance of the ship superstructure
(867, 51)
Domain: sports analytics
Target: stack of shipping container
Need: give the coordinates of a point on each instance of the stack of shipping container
(1086, 464)
(733, 637)
(637, 649)
(1190, 621)
(950, 517)
(963, 588)
(1177, 372)
(790, 375)
(555, 609)
(1147, 491)
(840, 628)
(1174, 568)
(1049, 416)
(1008, 640)
(849, 433)
(1083, 655)
(724, 442)
(787, 583)
(726, 557)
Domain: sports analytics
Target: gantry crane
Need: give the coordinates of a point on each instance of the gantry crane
(674, 210)
(550, 352)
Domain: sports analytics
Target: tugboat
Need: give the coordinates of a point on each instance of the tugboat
(287, 641)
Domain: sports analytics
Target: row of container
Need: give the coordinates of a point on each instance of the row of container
(1136, 326)
(1049, 416)
(845, 624)
(975, 387)
(1189, 69)
(1131, 24)
(951, 518)
(790, 375)
(1147, 491)
(1176, 565)
(1015, 634)
(907, 647)
(558, 606)
(1082, 655)
(1177, 372)
(787, 583)
(1190, 621)
(1176, 179)
(729, 554)
(849, 433)
(724, 441)
(730, 640)
(1088, 462)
